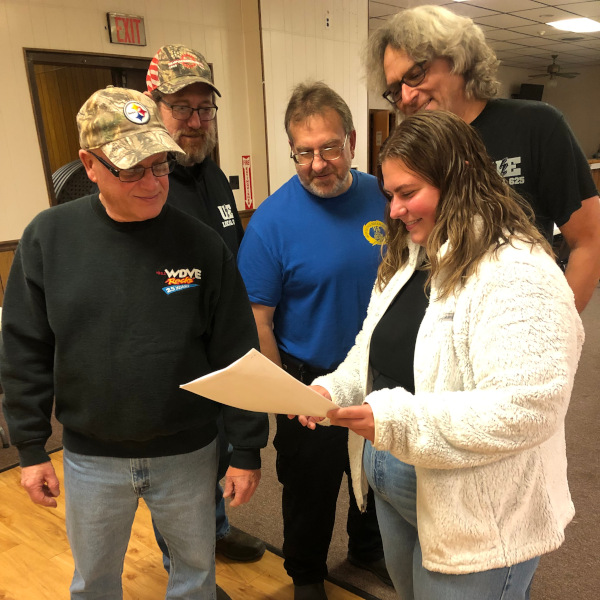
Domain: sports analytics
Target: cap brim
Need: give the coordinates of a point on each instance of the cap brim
(133, 149)
(178, 84)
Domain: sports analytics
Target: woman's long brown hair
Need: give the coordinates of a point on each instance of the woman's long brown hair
(477, 212)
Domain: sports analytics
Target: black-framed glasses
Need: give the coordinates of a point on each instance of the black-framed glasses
(136, 173)
(413, 78)
(331, 153)
(183, 113)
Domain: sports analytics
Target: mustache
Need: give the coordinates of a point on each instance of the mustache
(192, 133)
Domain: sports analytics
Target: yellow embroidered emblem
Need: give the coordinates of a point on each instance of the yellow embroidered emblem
(374, 232)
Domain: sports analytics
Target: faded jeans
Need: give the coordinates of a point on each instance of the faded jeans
(102, 496)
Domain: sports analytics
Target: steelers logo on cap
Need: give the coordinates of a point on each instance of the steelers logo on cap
(136, 113)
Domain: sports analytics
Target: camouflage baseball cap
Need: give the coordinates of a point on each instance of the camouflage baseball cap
(125, 124)
(175, 67)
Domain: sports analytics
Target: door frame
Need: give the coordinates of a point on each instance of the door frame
(35, 56)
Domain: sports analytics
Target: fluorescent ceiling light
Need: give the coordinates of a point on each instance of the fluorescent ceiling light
(581, 25)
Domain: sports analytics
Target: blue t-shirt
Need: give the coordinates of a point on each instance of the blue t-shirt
(315, 260)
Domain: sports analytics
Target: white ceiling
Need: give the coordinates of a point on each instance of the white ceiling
(516, 29)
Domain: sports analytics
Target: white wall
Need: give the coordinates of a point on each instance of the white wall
(216, 28)
(576, 98)
(298, 46)
(579, 101)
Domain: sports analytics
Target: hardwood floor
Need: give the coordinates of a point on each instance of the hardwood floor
(36, 563)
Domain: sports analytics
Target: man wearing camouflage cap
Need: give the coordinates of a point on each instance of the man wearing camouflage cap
(106, 313)
(180, 81)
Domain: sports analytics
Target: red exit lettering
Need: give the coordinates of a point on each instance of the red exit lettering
(128, 30)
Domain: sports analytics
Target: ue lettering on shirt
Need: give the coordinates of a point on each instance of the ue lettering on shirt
(509, 169)
(226, 215)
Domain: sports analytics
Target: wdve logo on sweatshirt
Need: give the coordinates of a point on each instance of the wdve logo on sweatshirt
(180, 279)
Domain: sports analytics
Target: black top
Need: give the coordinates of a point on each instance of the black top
(109, 319)
(537, 153)
(203, 191)
(393, 341)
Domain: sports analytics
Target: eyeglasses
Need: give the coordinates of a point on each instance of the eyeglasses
(412, 79)
(136, 173)
(183, 113)
(332, 153)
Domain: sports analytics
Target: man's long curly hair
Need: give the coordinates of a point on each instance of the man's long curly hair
(429, 32)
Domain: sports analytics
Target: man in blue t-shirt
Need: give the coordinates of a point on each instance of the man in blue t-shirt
(309, 260)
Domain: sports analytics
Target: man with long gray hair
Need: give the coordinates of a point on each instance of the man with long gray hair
(428, 58)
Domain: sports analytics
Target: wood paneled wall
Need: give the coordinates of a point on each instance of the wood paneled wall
(60, 126)
(245, 216)
(7, 253)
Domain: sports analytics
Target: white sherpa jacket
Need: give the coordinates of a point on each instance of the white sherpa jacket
(494, 367)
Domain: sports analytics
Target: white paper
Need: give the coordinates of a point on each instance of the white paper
(255, 383)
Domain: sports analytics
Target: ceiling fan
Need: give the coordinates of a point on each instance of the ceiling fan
(553, 71)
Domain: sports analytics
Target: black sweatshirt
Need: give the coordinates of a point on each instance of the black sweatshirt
(203, 191)
(110, 318)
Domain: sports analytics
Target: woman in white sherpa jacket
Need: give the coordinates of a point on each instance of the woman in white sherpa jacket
(465, 452)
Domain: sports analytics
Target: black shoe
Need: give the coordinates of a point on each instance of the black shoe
(311, 591)
(222, 594)
(240, 546)
(377, 567)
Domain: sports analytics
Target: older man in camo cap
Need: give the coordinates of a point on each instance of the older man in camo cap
(113, 301)
(180, 80)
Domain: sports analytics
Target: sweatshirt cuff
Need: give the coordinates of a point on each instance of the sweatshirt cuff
(245, 458)
(33, 454)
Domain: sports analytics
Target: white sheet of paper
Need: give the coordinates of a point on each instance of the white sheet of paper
(255, 383)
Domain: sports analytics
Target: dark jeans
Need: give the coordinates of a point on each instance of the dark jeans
(311, 466)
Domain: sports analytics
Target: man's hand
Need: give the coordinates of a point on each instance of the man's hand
(41, 484)
(240, 484)
(357, 418)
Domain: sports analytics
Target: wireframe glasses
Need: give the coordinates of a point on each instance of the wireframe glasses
(183, 113)
(331, 153)
(413, 78)
(136, 173)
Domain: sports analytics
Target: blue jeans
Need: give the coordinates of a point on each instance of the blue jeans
(395, 487)
(224, 451)
(101, 498)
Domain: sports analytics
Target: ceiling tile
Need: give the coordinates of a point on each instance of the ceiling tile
(509, 6)
(397, 4)
(586, 9)
(540, 30)
(545, 14)
(502, 45)
(504, 34)
(503, 21)
(378, 9)
(558, 2)
(468, 10)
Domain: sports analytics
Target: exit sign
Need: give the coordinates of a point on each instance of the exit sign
(126, 29)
